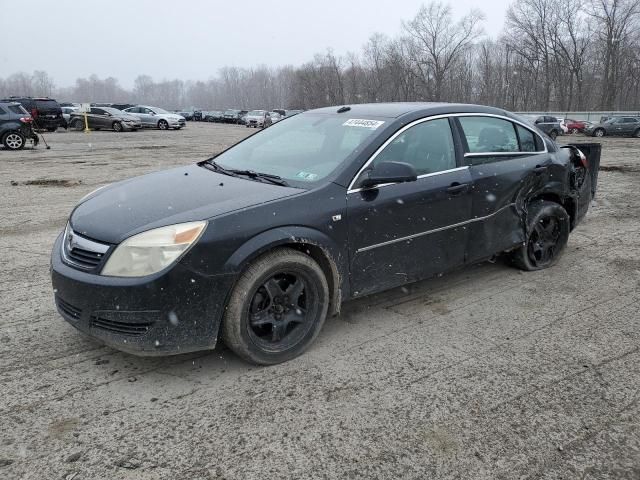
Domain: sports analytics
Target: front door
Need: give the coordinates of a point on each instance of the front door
(408, 231)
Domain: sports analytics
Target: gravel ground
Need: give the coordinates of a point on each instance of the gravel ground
(487, 372)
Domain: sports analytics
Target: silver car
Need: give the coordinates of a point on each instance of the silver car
(155, 117)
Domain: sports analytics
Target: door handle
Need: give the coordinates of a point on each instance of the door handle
(540, 169)
(456, 188)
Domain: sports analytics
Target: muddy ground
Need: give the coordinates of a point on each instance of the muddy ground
(484, 373)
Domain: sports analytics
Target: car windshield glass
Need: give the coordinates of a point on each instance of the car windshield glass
(159, 110)
(305, 148)
(612, 120)
(256, 113)
(112, 111)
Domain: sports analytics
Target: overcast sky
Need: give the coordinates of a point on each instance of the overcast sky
(192, 39)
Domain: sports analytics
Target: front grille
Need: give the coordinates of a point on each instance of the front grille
(69, 310)
(126, 328)
(82, 253)
(85, 258)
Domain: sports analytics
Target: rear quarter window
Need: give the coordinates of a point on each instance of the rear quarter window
(18, 109)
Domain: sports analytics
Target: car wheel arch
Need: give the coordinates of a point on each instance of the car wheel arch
(308, 241)
(568, 203)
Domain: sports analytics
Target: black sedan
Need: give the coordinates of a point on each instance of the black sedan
(261, 243)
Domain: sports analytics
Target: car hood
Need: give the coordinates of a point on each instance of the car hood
(183, 194)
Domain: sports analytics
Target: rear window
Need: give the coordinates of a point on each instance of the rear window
(48, 105)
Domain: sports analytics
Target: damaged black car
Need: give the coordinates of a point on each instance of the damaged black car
(258, 245)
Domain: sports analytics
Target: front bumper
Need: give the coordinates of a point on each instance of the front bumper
(132, 126)
(174, 311)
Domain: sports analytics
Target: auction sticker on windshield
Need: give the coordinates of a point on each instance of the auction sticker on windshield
(360, 122)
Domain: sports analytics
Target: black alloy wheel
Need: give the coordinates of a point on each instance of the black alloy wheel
(548, 226)
(277, 307)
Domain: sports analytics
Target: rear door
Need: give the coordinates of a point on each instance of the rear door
(407, 231)
(507, 163)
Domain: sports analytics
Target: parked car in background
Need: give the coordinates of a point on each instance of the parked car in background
(330, 205)
(105, 118)
(615, 126)
(257, 119)
(234, 116)
(291, 113)
(15, 126)
(549, 125)
(66, 113)
(214, 116)
(188, 116)
(45, 112)
(576, 126)
(122, 106)
(197, 115)
(563, 125)
(280, 111)
(155, 117)
(275, 117)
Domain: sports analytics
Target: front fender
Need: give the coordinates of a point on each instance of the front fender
(333, 261)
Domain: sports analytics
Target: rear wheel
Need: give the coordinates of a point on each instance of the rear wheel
(547, 235)
(14, 141)
(598, 132)
(277, 308)
(77, 124)
(163, 125)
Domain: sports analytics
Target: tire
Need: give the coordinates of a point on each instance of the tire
(77, 125)
(163, 125)
(14, 141)
(262, 323)
(553, 134)
(117, 127)
(52, 129)
(599, 132)
(575, 131)
(637, 133)
(548, 228)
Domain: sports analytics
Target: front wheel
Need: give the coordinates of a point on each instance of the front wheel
(547, 234)
(77, 125)
(163, 125)
(14, 141)
(637, 133)
(599, 132)
(117, 127)
(553, 134)
(277, 308)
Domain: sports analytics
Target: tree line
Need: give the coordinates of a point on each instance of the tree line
(553, 55)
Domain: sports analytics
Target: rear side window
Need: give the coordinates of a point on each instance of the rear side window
(489, 135)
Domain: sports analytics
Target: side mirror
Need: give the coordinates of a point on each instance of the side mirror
(389, 172)
(538, 121)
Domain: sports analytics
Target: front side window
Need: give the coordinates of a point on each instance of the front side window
(428, 146)
(527, 139)
(489, 135)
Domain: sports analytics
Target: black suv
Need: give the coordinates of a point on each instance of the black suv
(46, 112)
(15, 126)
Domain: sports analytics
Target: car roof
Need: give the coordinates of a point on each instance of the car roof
(397, 109)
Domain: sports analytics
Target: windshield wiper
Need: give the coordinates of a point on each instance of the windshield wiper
(219, 168)
(275, 179)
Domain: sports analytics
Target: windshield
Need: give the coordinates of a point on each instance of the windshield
(305, 148)
(612, 120)
(256, 113)
(159, 110)
(112, 111)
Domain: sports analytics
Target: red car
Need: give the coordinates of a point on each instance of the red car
(575, 126)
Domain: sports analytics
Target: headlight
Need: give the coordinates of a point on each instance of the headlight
(151, 251)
